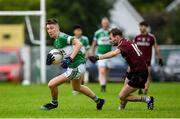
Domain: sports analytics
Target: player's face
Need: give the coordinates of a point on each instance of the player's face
(78, 32)
(113, 39)
(105, 23)
(53, 30)
(143, 29)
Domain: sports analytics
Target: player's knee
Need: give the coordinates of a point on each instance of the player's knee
(122, 97)
(102, 73)
(51, 85)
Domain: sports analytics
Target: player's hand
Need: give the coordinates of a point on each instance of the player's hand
(94, 58)
(49, 59)
(161, 62)
(66, 62)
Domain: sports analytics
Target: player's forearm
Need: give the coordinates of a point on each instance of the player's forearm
(86, 54)
(93, 51)
(93, 47)
(76, 49)
(157, 51)
(108, 55)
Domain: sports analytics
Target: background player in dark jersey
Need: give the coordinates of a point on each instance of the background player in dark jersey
(138, 73)
(145, 42)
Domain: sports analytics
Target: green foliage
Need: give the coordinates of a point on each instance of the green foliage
(172, 28)
(19, 101)
(88, 13)
(147, 6)
(168, 32)
(19, 5)
(164, 25)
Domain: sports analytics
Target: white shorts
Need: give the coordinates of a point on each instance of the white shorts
(75, 73)
(102, 63)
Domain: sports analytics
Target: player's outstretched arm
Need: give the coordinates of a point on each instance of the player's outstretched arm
(110, 54)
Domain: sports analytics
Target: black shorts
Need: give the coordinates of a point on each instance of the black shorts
(138, 79)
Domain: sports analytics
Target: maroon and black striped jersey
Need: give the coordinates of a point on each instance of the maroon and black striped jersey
(145, 43)
(132, 55)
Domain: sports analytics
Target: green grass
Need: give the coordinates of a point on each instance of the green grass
(25, 101)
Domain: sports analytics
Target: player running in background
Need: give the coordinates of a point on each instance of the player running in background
(138, 73)
(78, 33)
(101, 40)
(145, 42)
(74, 61)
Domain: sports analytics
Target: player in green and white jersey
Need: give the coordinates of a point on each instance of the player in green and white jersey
(101, 40)
(78, 33)
(74, 62)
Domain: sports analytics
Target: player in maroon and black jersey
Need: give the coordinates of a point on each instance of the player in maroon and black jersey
(138, 73)
(145, 42)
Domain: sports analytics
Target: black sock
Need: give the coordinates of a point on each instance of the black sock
(96, 99)
(122, 106)
(103, 88)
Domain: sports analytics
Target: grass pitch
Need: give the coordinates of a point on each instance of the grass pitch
(24, 101)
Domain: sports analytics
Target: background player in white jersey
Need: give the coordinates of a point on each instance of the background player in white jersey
(101, 40)
(74, 61)
(78, 33)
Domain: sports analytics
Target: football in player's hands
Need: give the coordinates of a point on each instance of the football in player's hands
(161, 62)
(49, 59)
(94, 58)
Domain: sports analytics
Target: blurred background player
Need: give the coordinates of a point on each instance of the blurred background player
(101, 40)
(145, 42)
(137, 76)
(74, 61)
(78, 33)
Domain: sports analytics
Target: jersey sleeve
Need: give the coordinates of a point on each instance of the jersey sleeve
(153, 39)
(86, 43)
(95, 36)
(67, 39)
(135, 39)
